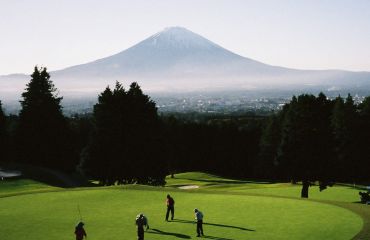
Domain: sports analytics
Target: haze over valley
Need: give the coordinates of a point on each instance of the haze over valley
(176, 63)
(117, 115)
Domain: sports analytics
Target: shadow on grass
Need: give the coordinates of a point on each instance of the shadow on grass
(225, 181)
(361, 203)
(216, 238)
(47, 176)
(215, 224)
(178, 235)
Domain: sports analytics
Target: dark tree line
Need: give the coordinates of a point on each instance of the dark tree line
(4, 137)
(124, 140)
(316, 139)
(228, 148)
(312, 139)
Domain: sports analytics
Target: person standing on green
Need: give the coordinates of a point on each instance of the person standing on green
(140, 222)
(170, 207)
(199, 218)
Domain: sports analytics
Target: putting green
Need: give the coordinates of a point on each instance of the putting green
(109, 213)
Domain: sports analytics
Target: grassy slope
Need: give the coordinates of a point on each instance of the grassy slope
(214, 183)
(21, 186)
(110, 212)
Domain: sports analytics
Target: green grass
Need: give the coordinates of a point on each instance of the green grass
(233, 210)
(207, 182)
(22, 186)
(336, 193)
(110, 214)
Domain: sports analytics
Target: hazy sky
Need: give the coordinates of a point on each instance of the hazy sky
(305, 34)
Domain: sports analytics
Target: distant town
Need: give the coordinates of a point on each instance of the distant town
(220, 103)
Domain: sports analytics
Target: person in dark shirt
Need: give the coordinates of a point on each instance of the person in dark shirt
(80, 231)
(170, 207)
(145, 219)
(199, 218)
(140, 222)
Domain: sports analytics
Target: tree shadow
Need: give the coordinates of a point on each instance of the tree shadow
(220, 181)
(362, 203)
(215, 224)
(178, 235)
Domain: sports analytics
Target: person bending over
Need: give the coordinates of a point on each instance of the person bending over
(199, 219)
(140, 222)
(80, 231)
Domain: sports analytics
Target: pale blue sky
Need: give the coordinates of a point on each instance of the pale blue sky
(305, 34)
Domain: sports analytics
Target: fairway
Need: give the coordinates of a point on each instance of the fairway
(109, 213)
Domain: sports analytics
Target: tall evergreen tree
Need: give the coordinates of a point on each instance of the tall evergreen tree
(43, 133)
(365, 107)
(145, 144)
(304, 152)
(2, 120)
(3, 136)
(344, 123)
(363, 136)
(269, 143)
(126, 144)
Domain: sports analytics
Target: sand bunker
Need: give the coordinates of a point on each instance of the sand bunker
(189, 187)
(8, 174)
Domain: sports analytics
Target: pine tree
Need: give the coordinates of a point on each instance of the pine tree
(269, 143)
(43, 133)
(344, 124)
(2, 121)
(3, 136)
(363, 136)
(304, 152)
(126, 144)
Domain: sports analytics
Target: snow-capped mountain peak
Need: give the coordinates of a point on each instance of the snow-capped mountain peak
(176, 58)
(178, 38)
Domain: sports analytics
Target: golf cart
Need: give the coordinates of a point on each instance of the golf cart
(365, 196)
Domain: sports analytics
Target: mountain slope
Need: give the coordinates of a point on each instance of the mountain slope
(174, 51)
(177, 59)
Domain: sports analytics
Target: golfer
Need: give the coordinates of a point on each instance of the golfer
(199, 218)
(170, 207)
(80, 231)
(146, 221)
(140, 222)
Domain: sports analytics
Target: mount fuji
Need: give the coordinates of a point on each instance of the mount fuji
(178, 60)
